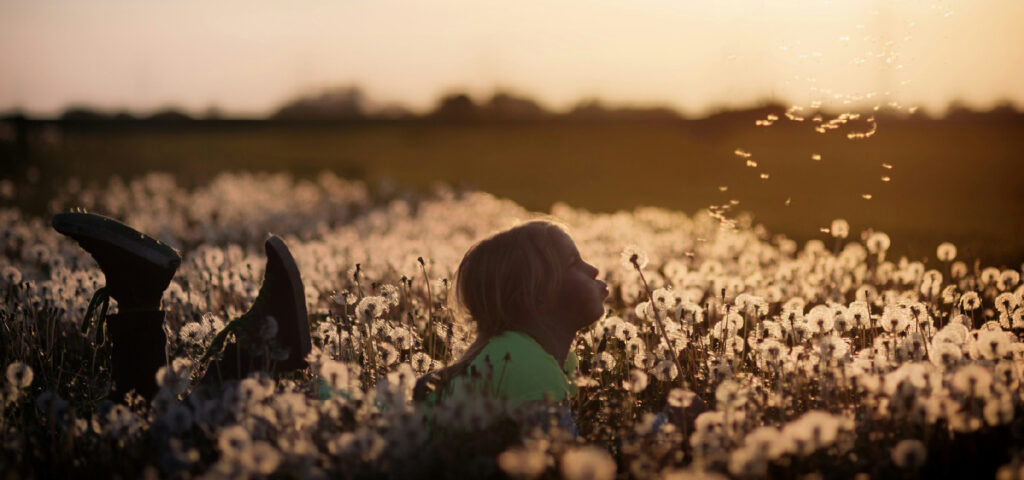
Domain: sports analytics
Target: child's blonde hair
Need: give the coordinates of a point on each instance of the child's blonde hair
(502, 278)
(501, 281)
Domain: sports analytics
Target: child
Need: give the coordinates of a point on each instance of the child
(527, 289)
(139, 268)
(529, 292)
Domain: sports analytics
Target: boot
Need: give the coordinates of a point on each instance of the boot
(136, 352)
(138, 269)
(277, 320)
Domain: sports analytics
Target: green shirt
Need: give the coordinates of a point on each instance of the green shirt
(522, 370)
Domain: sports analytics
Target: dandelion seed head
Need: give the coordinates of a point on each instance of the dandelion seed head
(946, 252)
(371, 308)
(19, 375)
(877, 242)
(909, 454)
(970, 301)
(522, 463)
(633, 257)
(587, 463)
(840, 228)
(636, 382)
(680, 398)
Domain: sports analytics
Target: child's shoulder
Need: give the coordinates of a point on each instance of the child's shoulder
(512, 347)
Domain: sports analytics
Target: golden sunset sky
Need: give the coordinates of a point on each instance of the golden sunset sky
(248, 56)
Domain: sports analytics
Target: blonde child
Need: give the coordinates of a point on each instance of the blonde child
(529, 292)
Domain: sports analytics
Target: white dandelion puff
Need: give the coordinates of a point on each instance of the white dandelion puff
(946, 252)
(633, 257)
(587, 463)
(909, 454)
(19, 375)
(636, 382)
(840, 228)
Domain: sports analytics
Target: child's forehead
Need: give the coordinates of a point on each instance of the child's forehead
(565, 244)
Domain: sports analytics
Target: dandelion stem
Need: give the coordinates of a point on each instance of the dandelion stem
(657, 319)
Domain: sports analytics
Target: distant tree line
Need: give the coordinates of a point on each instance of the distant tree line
(350, 103)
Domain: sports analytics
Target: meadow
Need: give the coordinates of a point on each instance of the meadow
(954, 179)
(826, 358)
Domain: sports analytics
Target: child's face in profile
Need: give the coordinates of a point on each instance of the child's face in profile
(580, 300)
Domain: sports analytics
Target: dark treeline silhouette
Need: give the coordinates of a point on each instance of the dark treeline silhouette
(350, 103)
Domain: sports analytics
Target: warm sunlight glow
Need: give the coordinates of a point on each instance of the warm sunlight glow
(249, 56)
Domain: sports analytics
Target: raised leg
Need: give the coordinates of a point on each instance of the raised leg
(138, 269)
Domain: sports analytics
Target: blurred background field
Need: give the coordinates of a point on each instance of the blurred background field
(954, 179)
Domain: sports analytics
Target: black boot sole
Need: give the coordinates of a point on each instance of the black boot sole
(97, 228)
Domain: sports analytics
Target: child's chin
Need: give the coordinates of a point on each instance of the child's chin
(598, 313)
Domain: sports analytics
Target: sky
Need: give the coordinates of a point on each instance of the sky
(247, 57)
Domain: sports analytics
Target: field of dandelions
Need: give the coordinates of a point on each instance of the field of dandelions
(827, 359)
